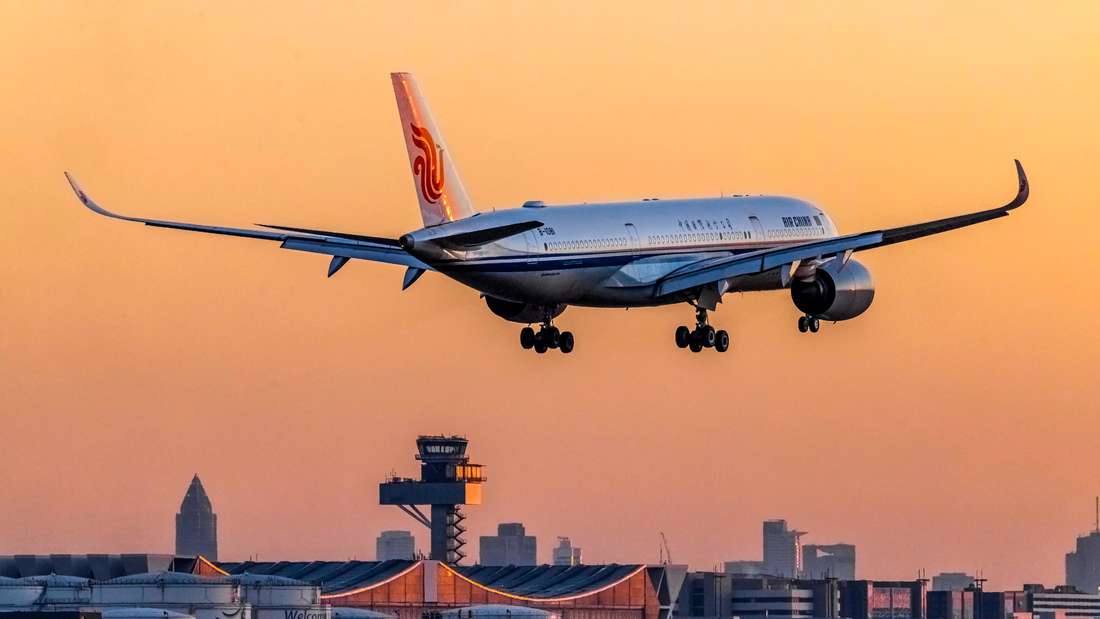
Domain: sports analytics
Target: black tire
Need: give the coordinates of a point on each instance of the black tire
(565, 342)
(706, 336)
(527, 338)
(695, 346)
(683, 336)
(815, 325)
(803, 324)
(540, 345)
(552, 336)
(721, 341)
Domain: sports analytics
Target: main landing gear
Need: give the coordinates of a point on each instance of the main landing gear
(704, 335)
(808, 323)
(547, 337)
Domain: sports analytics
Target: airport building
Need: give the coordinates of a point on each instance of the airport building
(196, 588)
(416, 589)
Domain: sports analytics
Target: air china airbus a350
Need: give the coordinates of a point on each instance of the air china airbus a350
(530, 263)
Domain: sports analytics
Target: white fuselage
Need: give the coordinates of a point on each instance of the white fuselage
(612, 254)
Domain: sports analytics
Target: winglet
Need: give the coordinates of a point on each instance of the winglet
(91, 204)
(1023, 189)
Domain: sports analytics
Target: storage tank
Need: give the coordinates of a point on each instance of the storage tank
(498, 611)
(138, 612)
(16, 594)
(349, 612)
(58, 590)
(278, 597)
(202, 597)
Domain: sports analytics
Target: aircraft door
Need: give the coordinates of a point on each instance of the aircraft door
(757, 228)
(533, 246)
(632, 237)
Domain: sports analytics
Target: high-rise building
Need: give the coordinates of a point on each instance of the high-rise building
(197, 524)
(392, 545)
(951, 581)
(510, 546)
(565, 553)
(782, 549)
(1083, 564)
(829, 561)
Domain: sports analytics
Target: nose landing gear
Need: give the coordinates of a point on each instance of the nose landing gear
(548, 336)
(703, 336)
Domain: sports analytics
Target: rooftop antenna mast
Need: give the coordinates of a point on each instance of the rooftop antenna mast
(1097, 529)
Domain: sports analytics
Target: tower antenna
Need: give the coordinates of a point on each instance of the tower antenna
(1098, 514)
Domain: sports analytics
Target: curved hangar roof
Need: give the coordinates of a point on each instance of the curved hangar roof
(334, 577)
(540, 582)
(543, 582)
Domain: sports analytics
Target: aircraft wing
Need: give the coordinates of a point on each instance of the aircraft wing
(341, 246)
(710, 270)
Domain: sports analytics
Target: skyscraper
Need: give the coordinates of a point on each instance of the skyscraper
(197, 524)
(829, 561)
(1083, 564)
(565, 553)
(510, 546)
(782, 549)
(395, 545)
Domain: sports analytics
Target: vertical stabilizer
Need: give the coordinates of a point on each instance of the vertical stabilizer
(438, 188)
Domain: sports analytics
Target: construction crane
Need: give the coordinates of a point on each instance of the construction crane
(666, 552)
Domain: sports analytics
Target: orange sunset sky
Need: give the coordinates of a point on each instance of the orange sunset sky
(952, 427)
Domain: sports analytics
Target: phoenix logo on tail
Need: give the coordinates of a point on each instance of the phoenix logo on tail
(428, 165)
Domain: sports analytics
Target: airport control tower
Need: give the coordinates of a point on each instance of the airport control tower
(447, 482)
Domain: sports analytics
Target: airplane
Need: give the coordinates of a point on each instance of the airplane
(532, 262)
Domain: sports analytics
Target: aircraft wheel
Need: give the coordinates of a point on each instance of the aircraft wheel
(683, 336)
(527, 338)
(565, 342)
(815, 325)
(803, 324)
(552, 336)
(706, 335)
(540, 345)
(695, 346)
(721, 341)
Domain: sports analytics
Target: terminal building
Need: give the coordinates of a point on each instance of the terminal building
(197, 588)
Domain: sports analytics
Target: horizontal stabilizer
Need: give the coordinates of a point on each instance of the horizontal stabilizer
(342, 246)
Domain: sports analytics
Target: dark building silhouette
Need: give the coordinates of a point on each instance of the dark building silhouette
(197, 524)
(829, 561)
(510, 546)
(1083, 564)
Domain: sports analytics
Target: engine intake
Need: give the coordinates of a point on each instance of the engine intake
(835, 292)
(525, 313)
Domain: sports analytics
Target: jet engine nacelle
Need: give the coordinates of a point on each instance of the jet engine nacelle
(525, 313)
(835, 292)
